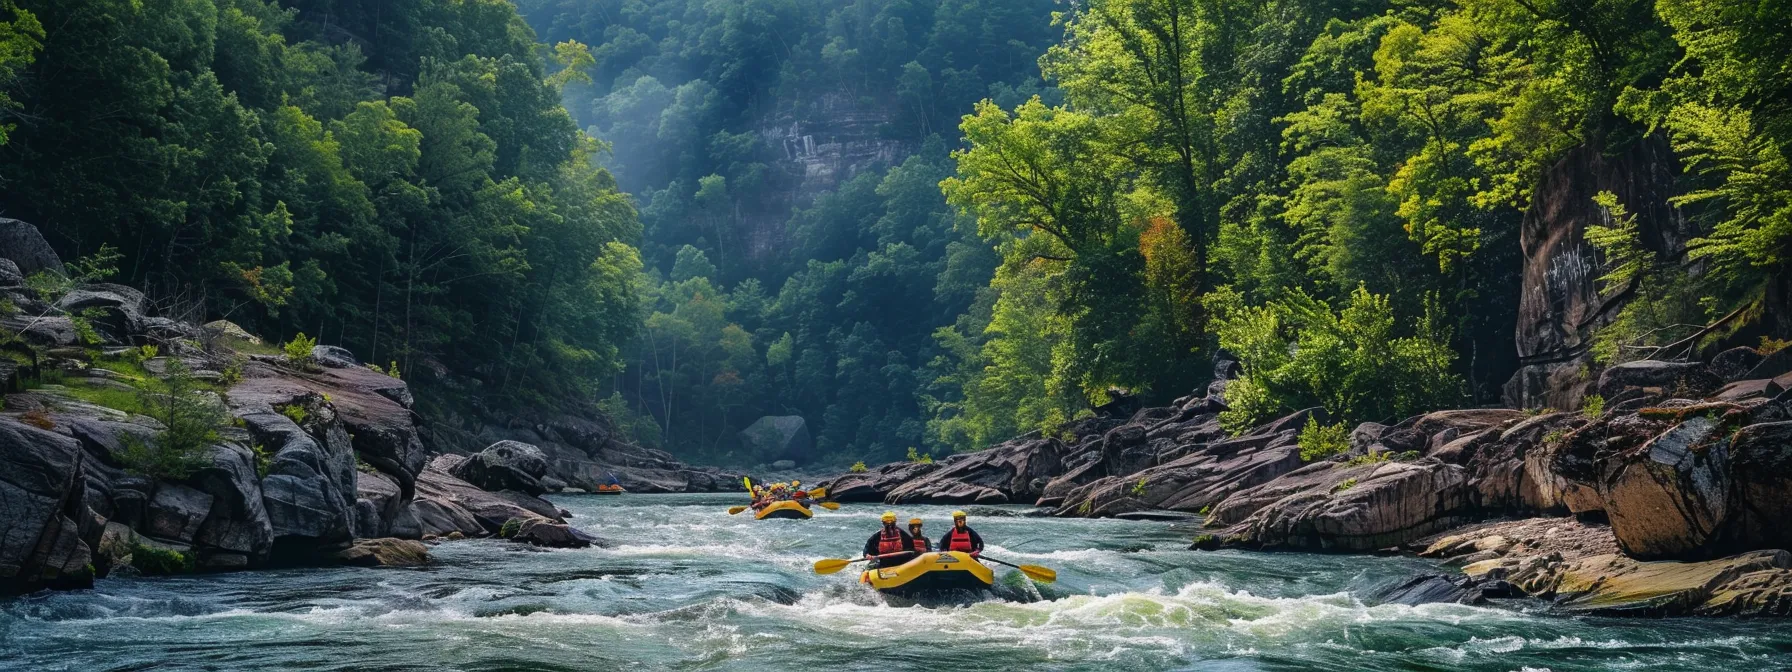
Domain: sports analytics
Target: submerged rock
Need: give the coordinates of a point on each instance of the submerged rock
(384, 552)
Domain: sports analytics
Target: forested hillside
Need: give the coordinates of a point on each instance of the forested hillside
(1337, 194)
(786, 157)
(395, 177)
(930, 224)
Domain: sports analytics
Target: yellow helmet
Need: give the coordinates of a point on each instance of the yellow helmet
(889, 516)
(795, 483)
(957, 514)
(914, 521)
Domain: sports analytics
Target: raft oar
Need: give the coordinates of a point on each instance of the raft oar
(1034, 572)
(831, 506)
(831, 565)
(736, 509)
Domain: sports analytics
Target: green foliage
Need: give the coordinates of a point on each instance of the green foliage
(298, 351)
(1772, 345)
(1592, 406)
(390, 178)
(295, 412)
(1319, 441)
(233, 371)
(1138, 488)
(145, 352)
(1298, 352)
(264, 458)
(510, 528)
(190, 416)
(918, 457)
(858, 467)
(1343, 485)
(154, 561)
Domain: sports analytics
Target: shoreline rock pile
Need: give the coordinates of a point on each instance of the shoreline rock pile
(1679, 483)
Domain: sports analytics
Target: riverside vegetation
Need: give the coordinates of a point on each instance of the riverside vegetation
(1226, 262)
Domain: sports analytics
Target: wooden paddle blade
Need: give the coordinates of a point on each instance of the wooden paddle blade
(831, 506)
(1040, 574)
(830, 565)
(736, 509)
(819, 493)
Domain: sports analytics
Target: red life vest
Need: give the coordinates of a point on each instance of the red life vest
(920, 544)
(958, 540)
(889, 541)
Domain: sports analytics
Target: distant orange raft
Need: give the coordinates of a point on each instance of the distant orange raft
(612, 489)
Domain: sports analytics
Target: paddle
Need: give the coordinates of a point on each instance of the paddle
(831, 506)
(819, 493)
(736, 509)
(748, 482)
(831, 565)
(1034, 572)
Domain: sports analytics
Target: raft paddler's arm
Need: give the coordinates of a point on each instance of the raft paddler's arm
(976, 541)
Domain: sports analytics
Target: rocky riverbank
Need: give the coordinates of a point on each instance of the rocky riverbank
(1666, 501)
(315, 459)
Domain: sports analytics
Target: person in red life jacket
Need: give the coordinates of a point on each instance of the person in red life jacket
(890, 539)
(961, 537)
(922, 543)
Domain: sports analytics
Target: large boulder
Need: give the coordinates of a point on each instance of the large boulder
(777, 437)
(446, 504)
(1202, 477)
(370, 406)
(1331, 506)
(874, 485)
(551, 535)
(383, 552)
(309, 489)
(505, 465)
(236, 532)
(41, 511)
(26, 248)
(1560, 305)
(117, 311)
(1011, 472)
(1683, 379)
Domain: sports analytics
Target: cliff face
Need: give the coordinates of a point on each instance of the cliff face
(1560, 304)
(831, 140)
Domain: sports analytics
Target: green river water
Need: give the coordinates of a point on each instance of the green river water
(686, 587)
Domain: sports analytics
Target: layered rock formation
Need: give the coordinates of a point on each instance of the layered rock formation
(318, 462)
(1691, 461)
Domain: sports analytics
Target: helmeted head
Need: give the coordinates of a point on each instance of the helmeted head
(796, 484)
(958, 518)
(914, 524)
(889, 517)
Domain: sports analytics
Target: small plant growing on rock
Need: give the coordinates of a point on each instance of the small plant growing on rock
(233, 371)
(151, 560)
(145, 352)
(392, 370)
(1772, 345)
(510, 528)
(1346, 484)
(1084, 508)
(918, 457)
(190, 419)
(859, 467)
(298, 351)
(295, 412)
(1319, 441)
(1138, 489)
(1593, 407)
(1555, 436)
(264, 458)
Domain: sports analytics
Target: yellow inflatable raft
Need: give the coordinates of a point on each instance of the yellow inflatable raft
(784, 509)
(931, 573)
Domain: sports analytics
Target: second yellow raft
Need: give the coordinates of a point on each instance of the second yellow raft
(784, 509)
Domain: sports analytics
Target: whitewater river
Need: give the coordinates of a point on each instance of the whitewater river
(687, 587)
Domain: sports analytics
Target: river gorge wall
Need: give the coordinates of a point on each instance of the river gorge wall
(318, 459)
(1666, 501)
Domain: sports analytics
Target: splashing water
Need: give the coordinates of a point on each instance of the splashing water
(687, 587)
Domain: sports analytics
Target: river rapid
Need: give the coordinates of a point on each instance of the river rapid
(687, 587)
